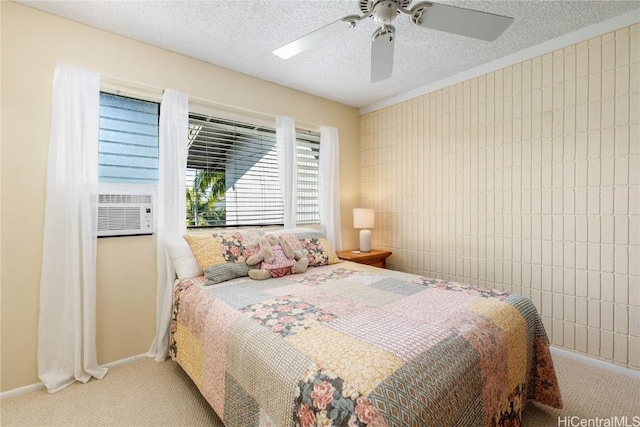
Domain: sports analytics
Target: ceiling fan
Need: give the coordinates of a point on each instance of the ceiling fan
(436, 16)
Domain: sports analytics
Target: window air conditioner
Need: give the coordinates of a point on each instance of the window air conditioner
(125, 214)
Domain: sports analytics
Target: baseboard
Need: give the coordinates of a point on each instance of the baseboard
(21, 390)
(125, 360)
(26, 389)
(595, 362)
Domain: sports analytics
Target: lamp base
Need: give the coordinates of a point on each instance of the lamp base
(365, 240)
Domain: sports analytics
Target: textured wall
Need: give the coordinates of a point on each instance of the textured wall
(32, 42)
(526, 179)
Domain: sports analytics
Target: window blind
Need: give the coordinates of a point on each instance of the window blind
(232, 174)
(128, 145)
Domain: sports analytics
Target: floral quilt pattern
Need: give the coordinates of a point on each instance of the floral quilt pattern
(326, 400)
(320, 278)
(459, 287)
(348, 345)
(287, 315)
(238, 246)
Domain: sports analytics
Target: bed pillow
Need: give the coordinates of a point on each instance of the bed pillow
(184, 263)
(314, 245)
(222, 256)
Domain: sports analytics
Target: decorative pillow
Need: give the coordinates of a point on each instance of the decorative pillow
(222, 255)
(227, 271)
(315, 246)
(183, 260)
(237, 246)
(205, 249)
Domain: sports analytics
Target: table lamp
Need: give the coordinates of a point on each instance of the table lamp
(363, 219)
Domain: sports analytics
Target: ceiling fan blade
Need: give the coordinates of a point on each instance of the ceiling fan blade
(457, 20)
(314, 38)
(382, 53)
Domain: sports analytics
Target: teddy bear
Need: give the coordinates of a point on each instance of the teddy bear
(276, 258)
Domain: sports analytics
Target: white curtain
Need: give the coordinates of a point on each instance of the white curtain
(329, 186)
(287, 167)
(67, 323)
(171, 207)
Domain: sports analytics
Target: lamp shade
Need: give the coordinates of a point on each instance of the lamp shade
(363, 218)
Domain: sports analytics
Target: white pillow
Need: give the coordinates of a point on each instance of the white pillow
(183, 260)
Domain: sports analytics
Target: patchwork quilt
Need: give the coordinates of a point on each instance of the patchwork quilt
(353, 345)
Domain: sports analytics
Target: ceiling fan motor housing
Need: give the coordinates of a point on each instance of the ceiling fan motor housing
(384, 11)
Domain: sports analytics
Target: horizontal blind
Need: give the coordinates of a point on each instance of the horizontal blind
(128, 145)
(308, 152)
(232, 174)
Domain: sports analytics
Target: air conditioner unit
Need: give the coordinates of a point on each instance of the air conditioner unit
(121, 214)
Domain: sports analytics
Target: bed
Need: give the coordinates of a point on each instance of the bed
(345, 344)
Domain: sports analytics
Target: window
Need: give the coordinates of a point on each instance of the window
(128, 146)
(232, 166)
(232, 174)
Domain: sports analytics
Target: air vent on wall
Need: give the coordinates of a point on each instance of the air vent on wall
(125, 214)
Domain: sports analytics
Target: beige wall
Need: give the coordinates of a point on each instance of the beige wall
(32, 43)
(526, 179)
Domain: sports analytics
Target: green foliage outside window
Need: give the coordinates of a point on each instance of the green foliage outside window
(204, 199)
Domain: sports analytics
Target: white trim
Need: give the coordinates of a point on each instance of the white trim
(197, 105)
(130, 89)
(125, 360)
(230, 112)
(595, 362)
(569, 39)
(37, 386)
(210, 109)
(21, 390)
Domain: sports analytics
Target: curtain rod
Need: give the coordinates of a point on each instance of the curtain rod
(154, 93)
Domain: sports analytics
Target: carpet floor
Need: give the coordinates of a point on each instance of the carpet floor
(146, 393)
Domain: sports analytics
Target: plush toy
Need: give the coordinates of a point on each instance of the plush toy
(276, 258)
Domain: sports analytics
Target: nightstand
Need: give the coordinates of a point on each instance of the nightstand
(374, 258)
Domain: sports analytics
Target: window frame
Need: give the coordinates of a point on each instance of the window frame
(202, 107)
(308, 143)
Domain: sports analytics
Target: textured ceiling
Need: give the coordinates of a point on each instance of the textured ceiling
(240, 35)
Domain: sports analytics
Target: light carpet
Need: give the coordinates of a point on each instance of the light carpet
(146, 393)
